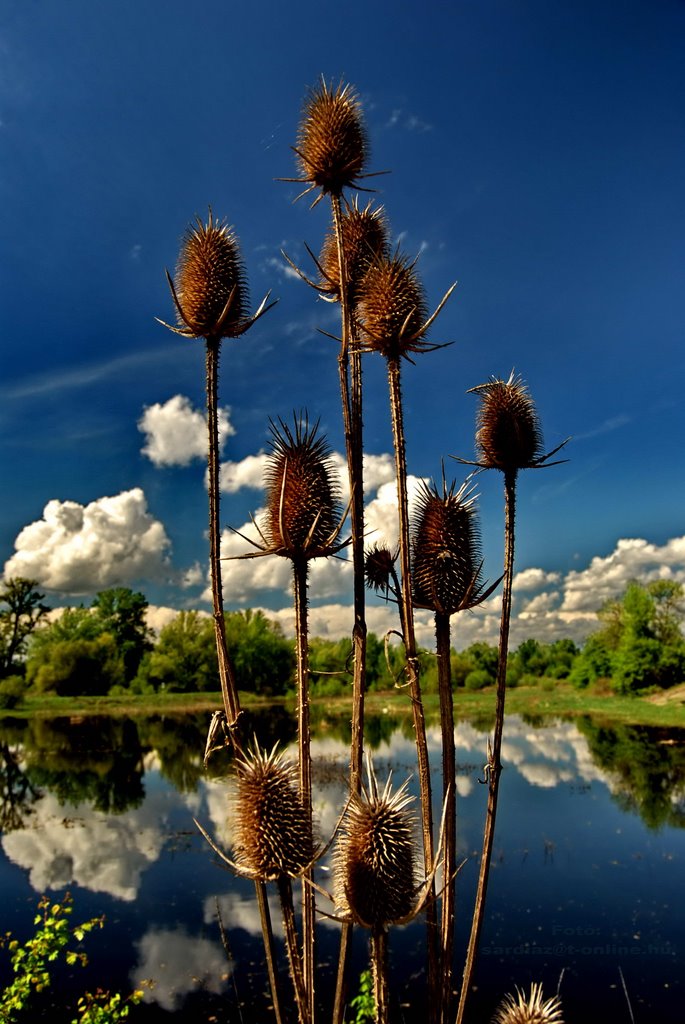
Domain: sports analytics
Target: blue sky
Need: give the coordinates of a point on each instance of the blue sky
(537, 154)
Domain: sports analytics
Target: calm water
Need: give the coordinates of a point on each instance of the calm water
(587, 878)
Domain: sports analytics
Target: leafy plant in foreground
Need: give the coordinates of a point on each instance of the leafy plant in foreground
(33, 962)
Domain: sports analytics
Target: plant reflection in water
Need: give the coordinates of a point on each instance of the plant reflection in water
(104, 808)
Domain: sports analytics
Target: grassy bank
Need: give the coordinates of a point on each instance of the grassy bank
(561, 701)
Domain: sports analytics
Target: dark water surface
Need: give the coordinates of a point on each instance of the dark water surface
(588, 878)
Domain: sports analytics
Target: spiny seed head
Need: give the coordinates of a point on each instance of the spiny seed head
(446, 549)
(508, 435)
(332, 144)
(375, 861)
(365, 236)
(533, 1009)
(273, 836)
(379, 565)
(392, 307)
(209, 270)
(302, 505)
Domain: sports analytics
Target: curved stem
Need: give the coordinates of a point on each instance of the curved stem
(442, 650)
(300, 570)
(229, 689)
(407, 614)
(494, 761)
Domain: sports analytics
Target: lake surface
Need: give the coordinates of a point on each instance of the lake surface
(588, 879)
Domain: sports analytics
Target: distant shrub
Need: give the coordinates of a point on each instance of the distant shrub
(478, 679)
(12, 690)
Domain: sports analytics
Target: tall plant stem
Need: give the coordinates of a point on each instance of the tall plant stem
(285, 892)
(349, 361)
(229, 689)
(379, 965)
(407, 614)
(442, 648)
(268, 939)
(300, 570)
(494, 759)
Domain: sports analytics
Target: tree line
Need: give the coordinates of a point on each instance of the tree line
(108, 648)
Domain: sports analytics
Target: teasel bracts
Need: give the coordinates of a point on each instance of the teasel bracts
(446, 571)
(332, 144)
(375, 865)
(210, 288)
(273, 836)
(365, 236)
(508, 435)
(392, 307)
(534, 1009)
(379, 569)
(303, 517)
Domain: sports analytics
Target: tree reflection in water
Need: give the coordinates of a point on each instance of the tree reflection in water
(154, 875)
(649, 766)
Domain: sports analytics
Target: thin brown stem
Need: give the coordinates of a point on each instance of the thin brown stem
(349, 359)
(411, 652)
(229, 689)
(285, 892)
(494, 761)
(379, 967)
(442, 650)
(300, 570)
(268, 939)
(349, 362)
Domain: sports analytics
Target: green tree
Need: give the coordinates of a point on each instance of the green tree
(121, 612)
(21, 610)
(69, 668)
(263, 659)
(560, 658)
(593, 662)
(184, 658)
(641, 643)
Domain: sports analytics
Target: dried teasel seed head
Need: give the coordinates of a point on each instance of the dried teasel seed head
(332, 144)
(209, 271)
(508, 435)
(533, 1009)
(273, 836)
(375, 860)
(392, 307)
(365, 236)
(446, 572)
(379, 568)
(302, 505)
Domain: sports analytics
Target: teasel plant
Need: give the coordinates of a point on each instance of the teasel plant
(375, 872)
(531, 1009)
(303, 521)
(273, 841)
(447, 578)
(211, 300)
(332, 150)
(508, 439)
(392, 314)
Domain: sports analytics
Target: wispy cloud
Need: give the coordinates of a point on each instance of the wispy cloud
(80, 377)
(400, 118)
(282, 268)
(607, 427)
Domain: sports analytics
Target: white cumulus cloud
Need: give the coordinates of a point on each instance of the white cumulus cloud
(178, 963)
(176, 433)
(80, 548)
